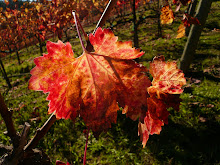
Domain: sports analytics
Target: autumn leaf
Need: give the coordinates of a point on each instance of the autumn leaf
(58, 162)
(164, 93)
(6, 2)
(167, 15)
(181, 31)
(167, 78)
(188, 20)
(149, 127)
(92, 85)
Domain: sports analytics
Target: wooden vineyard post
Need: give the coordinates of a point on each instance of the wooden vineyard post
(195, 32)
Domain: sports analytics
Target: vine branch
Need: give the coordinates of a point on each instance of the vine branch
(40, 133)
(7, 117)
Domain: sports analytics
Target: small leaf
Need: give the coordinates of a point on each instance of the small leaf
(167, 78)
(164, 93)
(58, 162)
(181, 31)
(188, 20)
(166, 16)
(149, 127)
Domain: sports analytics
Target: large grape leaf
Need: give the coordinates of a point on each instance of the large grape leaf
(92, 85)
(164, 93)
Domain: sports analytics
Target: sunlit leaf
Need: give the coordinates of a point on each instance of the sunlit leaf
(181, 31)
(166, 16)
(93, 84)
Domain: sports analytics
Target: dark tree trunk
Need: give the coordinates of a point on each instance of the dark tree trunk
(159, 29)
(195, 32)
(5, 75)
(135, 25)
(19, 61)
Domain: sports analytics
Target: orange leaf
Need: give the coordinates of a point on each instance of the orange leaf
(166, 16)
(167, 78)
(93, 84)
(6, 2)
(181, 31)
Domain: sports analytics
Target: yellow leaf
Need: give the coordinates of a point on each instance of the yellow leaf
(166, 16)
(181, 31)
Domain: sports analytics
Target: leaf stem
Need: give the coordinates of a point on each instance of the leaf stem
(80, 25)
(77, 28)
(84, 158)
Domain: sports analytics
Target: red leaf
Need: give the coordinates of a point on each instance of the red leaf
(93, 84)
(151, 126)
(167, 80)
(188, 20)
(58, 162)
(157, 109)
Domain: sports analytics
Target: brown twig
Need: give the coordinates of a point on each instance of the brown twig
(40, 133)
(7, 117)
(17, 153)
(12, 158)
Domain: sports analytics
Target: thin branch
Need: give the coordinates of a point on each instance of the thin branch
(23, 137)
(105, 14)
(40, 133)
(102, 21)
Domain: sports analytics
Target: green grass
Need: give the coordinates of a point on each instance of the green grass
(191, 137)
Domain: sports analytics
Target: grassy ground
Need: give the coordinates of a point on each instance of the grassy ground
(191, 137)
